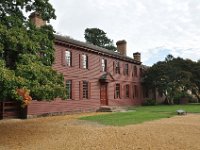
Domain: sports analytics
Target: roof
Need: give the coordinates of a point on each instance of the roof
(94, 48)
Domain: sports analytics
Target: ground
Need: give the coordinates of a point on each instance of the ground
(66, 132)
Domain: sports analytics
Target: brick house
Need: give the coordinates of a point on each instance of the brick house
(94, 76)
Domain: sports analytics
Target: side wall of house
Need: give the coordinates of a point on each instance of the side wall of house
(77, 74)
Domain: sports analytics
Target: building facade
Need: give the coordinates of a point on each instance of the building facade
(93, 76)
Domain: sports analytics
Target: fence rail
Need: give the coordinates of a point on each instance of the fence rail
(9, 109)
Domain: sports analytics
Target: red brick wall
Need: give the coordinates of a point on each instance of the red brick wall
(92, 74)
(43, 107)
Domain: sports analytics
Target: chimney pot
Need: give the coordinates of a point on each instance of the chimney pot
(137, 56)
(36, 19)
(121, 47)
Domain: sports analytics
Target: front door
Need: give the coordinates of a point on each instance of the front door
(103, 94)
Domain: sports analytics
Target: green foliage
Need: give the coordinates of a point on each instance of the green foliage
(149, 102)
(172, 76)
(179, 96)
(44, 82)
(27, 52)
(9, 83)
(98, 37)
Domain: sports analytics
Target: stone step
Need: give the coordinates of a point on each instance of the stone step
(112, 109)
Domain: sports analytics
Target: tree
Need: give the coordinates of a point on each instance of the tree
(27, 52)
(170, 77)
(196, 80)
(98, 37)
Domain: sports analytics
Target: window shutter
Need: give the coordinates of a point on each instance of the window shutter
(130, 91)
(80, 61)
(121, 91)
(100, 63)
(63, 58)
(89, 90)
(87, 62)
(114, 91)
(113, 67)
(72, 89)
(133, 91)
(128, 69)
(124, 91)
(120, 68)
(124, 68)
(106, 65)
(80, 90)
(71, 59)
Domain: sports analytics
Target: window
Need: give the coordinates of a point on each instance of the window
(136, 90)
(68, 58)
(104, 64)
(85, 61)
(117, 91)
(85, 89)
(126, 69)
(135, 71)
(117, 67)
(69, 89)
(127, 91)
(141, 72)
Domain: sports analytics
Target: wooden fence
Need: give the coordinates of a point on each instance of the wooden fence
(9, 109)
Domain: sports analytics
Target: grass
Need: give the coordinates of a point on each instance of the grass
(141, 114)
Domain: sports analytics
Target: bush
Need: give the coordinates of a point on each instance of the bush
(149, 102)
(182, 98)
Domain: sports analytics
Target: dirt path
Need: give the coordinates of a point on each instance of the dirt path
(66, 132)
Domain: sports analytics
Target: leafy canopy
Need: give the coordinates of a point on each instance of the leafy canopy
(98, 37)
(173, 76)
(27, 52)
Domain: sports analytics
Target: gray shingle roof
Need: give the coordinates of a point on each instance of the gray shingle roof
(95, 48)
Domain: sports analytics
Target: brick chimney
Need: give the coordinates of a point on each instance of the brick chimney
(121, 47)
(137, 56)
(36, 19)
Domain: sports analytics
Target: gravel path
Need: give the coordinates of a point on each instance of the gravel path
(68, 133)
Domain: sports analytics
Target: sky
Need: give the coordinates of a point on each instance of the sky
(155, 28)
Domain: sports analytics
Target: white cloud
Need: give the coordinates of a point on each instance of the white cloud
(145, 24)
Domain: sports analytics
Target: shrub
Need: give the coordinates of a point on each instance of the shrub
(149, 102)
(182, 97)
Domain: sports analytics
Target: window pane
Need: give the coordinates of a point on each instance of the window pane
(117, 91)
(103, 64)
(126, 69)
(69, 89)
(135, 71)
(117, 67)
(85, 61)
(136, 90)
(85, 89)
(68, 58)
(127, 90)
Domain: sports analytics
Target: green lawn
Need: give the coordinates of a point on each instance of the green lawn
(141, 114)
